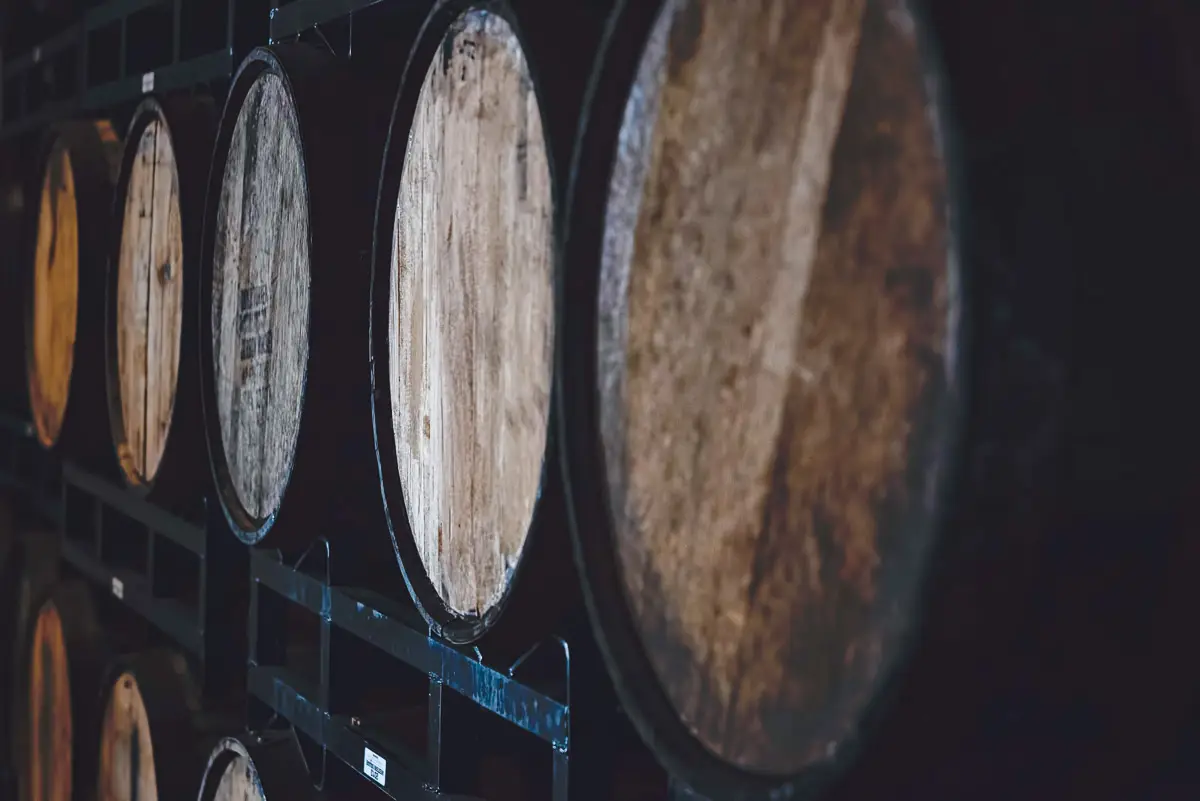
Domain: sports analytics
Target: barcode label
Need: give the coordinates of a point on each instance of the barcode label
(118, 588)
(148, 82)
(375, 767)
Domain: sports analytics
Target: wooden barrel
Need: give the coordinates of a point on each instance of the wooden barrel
(63, 660)
(284, 343)
(257, 768)
(27, 573)
(65, 315)
(829, 471)
(153, 295)
(154, 741)
(463, 331)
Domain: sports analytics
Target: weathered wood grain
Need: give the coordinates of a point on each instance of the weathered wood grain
(48, 774)
(55, 298)
(149, 298)
(261, 296)
(126, 748)
(774, 304)
(471, 335)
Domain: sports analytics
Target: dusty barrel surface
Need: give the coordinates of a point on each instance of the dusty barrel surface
(64, 658)
(153, 740)
(463, 326)
(252, 770)
(152, 294)
(283, 315)
(65, 314)
(827, 480)
(761, 389)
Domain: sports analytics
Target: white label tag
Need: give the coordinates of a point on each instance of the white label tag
(118, 589)
(148, 82)
(375, 767)
(37, 55)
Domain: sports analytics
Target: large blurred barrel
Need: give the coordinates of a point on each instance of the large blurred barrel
(152, 297)
(284, 305)
(65, 318)
(62, 661)
(257, 768)
(462, 324)
(817, 464)
(154, 742)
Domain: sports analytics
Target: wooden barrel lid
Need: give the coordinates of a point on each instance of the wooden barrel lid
(776, 300)
(270, 766)
(149, 303)
(55, 297)
(126, 747)
(471, 310)
(260, 306)
(48, 774)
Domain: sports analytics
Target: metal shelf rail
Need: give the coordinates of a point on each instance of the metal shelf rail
(117, 52)
(397, 632)
(152, 562)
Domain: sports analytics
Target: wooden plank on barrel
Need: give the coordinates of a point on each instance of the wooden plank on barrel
(471, 338)
(774, 304)
(55, 296)
(133, 300)
(126, 747)
(165, 277)
(47, 777)
(261, 296)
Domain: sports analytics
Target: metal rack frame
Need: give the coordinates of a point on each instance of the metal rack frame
(398, 632)
(78, 91)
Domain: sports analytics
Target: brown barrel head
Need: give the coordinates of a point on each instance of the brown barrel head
(126, 747)
(55, 297)
(471, 339)
(260, 301)
(149, 304)
(776, 298)
(47, 776)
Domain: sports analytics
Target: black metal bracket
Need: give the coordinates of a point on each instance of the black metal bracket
(308, 702)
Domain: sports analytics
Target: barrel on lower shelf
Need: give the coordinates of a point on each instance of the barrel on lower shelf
(829, 473)
(257, 768)
(463, 332)
(284, 305)
(152, 299)
(28, 570)
(65, 313)
(62, 661)
(155, 738)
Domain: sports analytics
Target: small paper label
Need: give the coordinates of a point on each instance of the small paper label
(375, 767)
(148, 82)
(118, 589)
(37, 55)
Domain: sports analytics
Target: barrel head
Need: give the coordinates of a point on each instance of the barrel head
(47, 776)
(126, 746)
(775, 346)
(149, 303)
(260, 296)
(55, 297)
(471, 335)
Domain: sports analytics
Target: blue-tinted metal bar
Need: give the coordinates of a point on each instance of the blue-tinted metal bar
(293, 585)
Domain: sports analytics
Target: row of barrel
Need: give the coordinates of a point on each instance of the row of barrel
(826, 404)
(85, 719)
